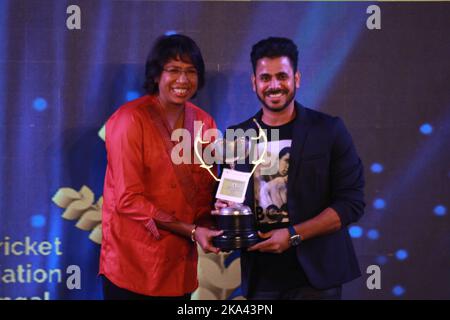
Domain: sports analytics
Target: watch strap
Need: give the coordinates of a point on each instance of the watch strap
(292, 231)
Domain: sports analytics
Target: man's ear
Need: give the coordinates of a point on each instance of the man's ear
(298, 78)
(253, 79)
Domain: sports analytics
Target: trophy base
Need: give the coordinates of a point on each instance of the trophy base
(227, 243)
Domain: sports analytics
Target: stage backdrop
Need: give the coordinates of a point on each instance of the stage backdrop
(65, 66)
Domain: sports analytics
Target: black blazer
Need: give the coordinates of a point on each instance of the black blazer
(324, 171)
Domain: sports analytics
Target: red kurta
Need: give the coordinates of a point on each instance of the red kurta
(142, 184)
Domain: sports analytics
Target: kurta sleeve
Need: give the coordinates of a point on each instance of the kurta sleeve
(125, 148)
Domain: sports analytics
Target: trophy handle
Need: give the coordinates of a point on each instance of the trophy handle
(197, 140)
(262, 134)
(256, 163)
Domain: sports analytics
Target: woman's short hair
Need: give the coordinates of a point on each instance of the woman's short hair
(168, 47)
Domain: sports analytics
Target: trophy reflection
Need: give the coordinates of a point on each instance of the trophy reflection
(237, 220)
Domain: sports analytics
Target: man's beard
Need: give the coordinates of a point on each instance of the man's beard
(284, 106)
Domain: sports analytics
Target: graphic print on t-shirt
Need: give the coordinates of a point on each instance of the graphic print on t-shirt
(270, 180)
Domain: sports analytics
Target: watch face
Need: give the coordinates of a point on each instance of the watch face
(295, 240)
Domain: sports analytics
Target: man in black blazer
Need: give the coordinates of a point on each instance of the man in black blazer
(306, 251)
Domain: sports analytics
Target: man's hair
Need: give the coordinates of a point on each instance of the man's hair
(168, 47)
(274, 47)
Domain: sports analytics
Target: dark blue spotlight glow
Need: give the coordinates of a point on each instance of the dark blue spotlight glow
(40, 104)
(426, 129)
(401, 254)
(376, 168)
(440, 210)
(398, 291)
(373, 234)
(379, 203)
(381, 260)
(170, 32)
(355, 231)
(38, 221)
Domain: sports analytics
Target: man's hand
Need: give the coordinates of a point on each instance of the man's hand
(277, 241)
(204, 238)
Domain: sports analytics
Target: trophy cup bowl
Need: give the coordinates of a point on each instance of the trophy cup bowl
(229, 152)
(239, 228)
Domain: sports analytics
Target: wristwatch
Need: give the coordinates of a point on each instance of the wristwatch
(295, 238)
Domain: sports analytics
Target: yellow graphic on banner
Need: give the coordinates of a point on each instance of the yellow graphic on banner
(80, 206)
(217, 282)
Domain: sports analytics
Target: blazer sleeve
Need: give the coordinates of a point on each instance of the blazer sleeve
(347, 176)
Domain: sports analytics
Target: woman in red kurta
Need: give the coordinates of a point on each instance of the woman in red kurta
(153, 208)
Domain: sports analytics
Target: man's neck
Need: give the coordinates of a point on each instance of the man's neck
(274, 119)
